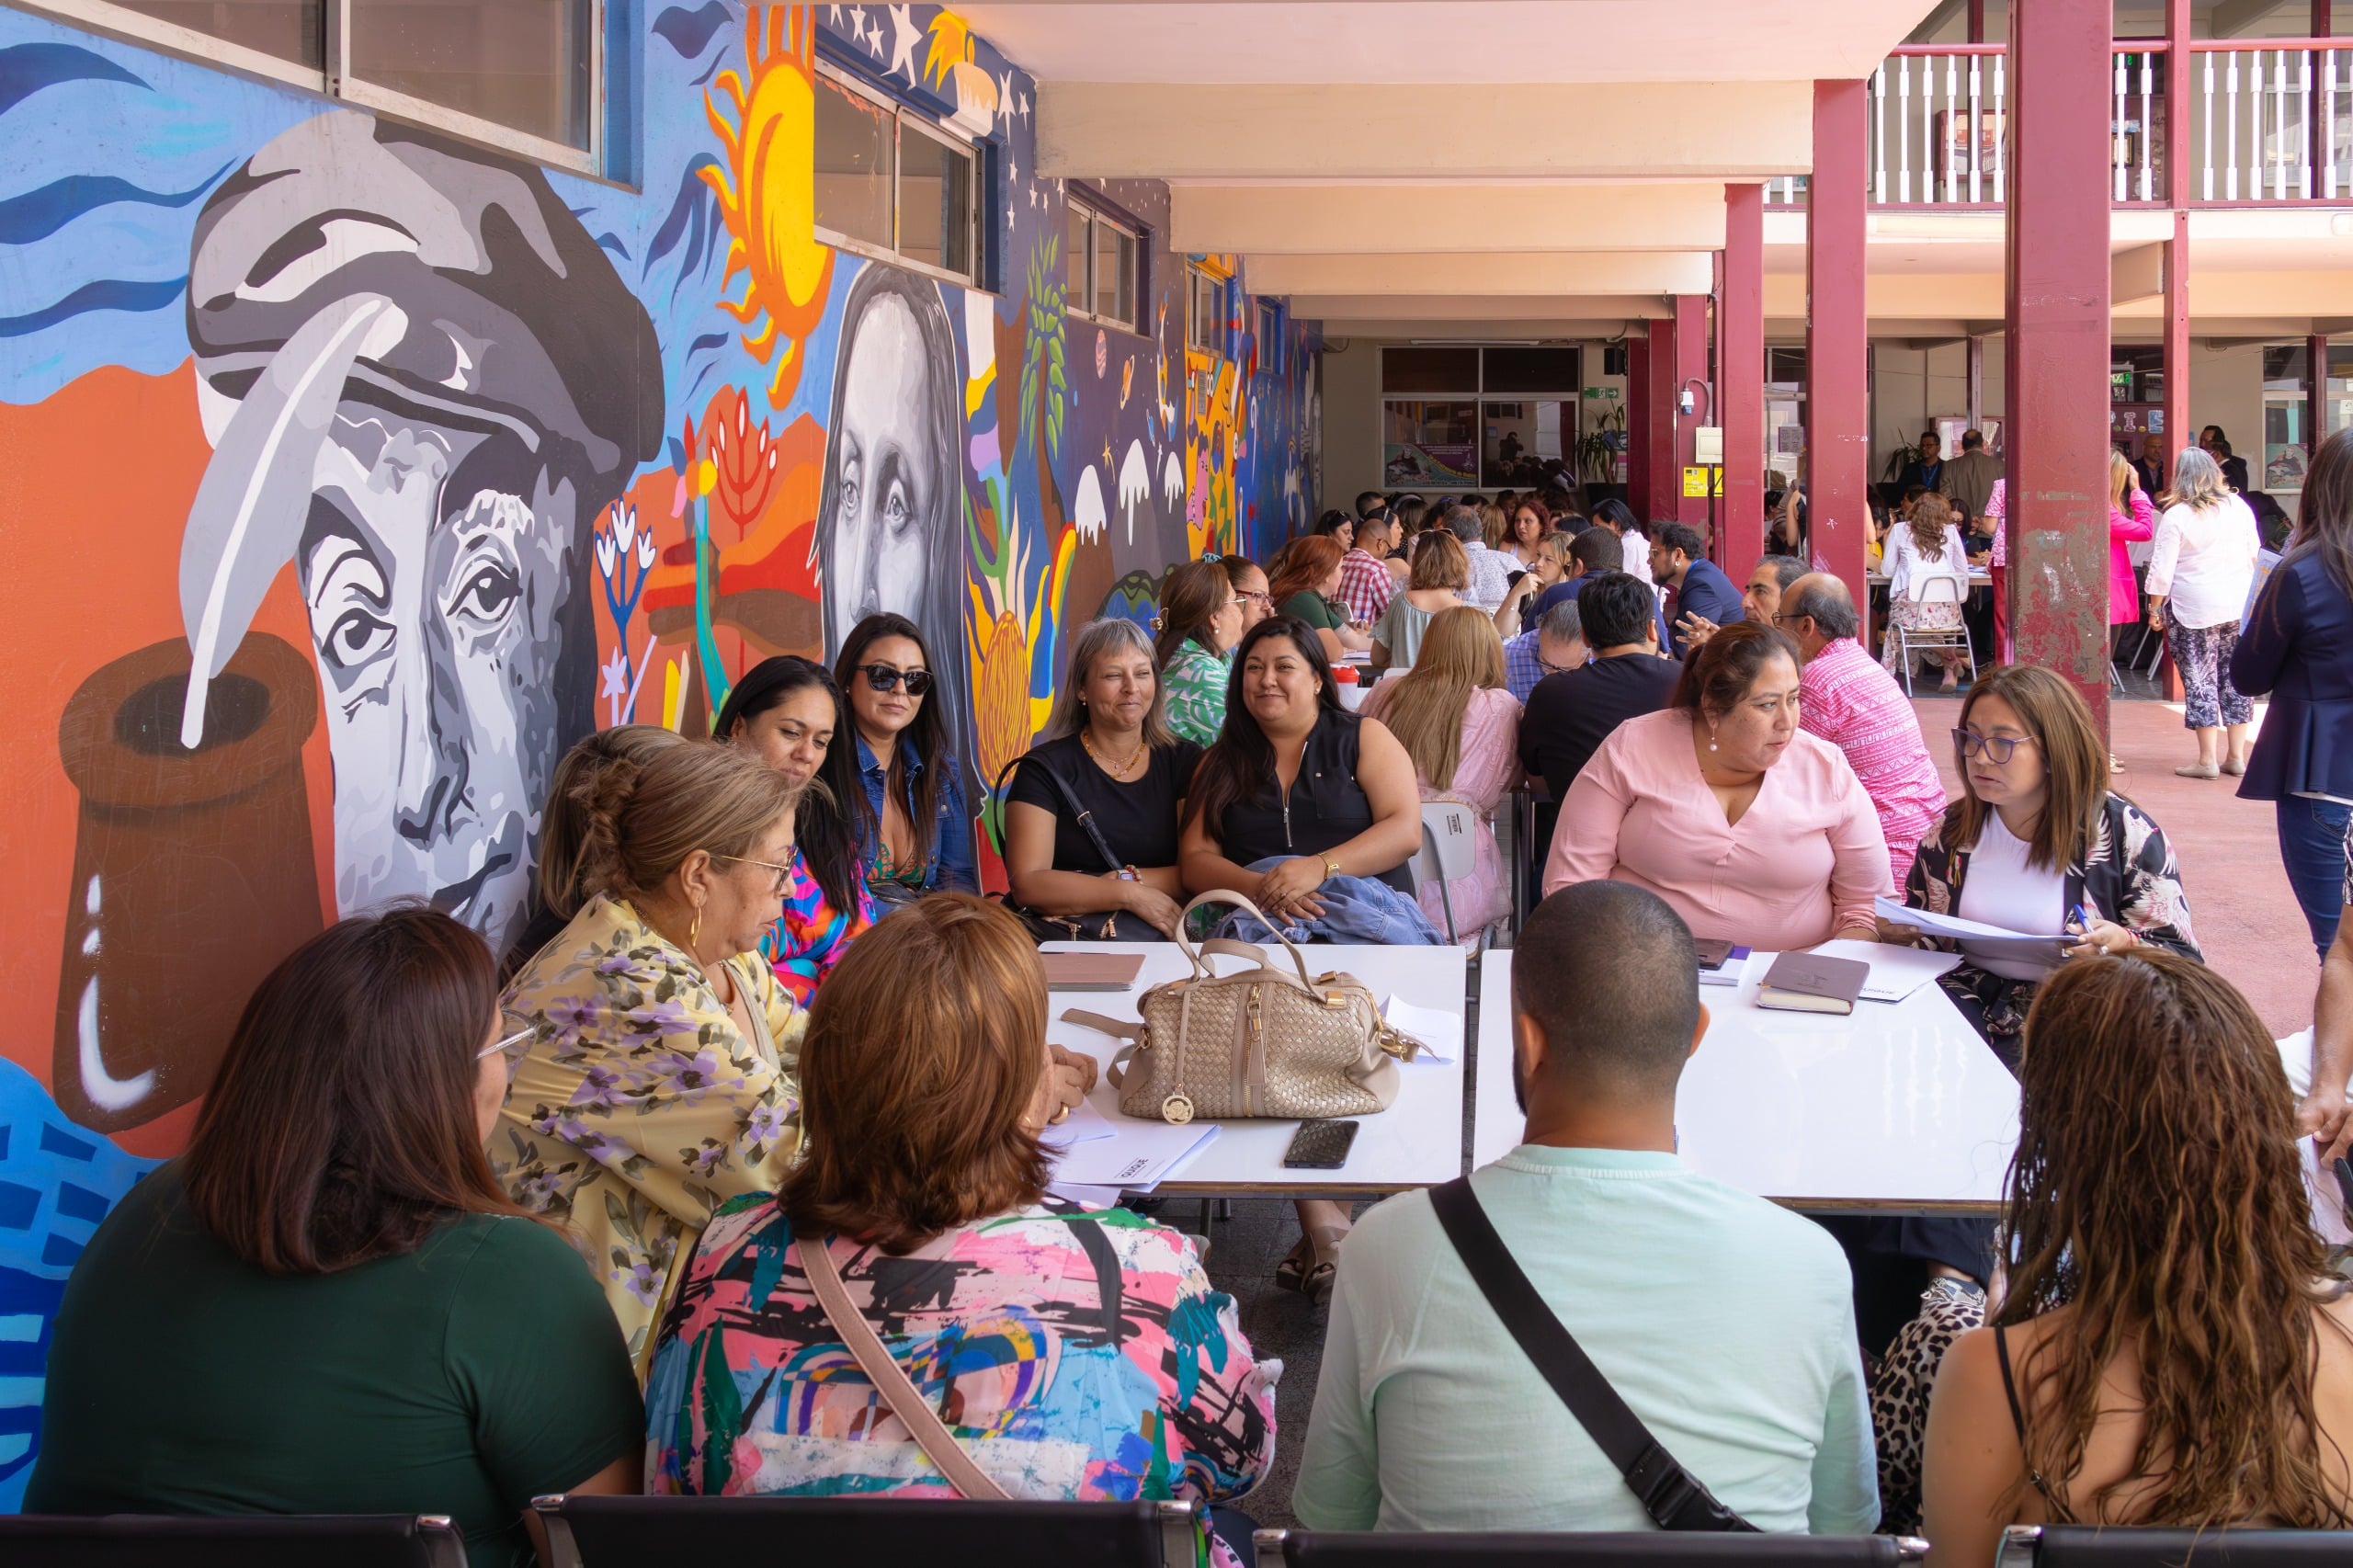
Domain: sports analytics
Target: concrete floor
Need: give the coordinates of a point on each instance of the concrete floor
(2245, 918)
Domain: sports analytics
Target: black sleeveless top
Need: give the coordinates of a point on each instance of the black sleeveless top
(1325, 808)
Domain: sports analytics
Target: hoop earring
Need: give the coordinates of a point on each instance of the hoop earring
(694, 929)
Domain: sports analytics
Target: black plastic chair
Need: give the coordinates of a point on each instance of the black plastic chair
(1642, 1549)
(2082, 1546)
(627, 1532)
(244, 1541)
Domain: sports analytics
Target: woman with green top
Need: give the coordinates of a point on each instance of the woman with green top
(1307, 584)
(327, 1305)
(1200, 622)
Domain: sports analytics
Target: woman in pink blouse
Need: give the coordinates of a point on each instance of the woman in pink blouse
(1754, 831)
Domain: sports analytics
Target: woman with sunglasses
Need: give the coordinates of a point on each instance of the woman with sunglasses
(899, 779)
(785, 711)
(658, 1078)
(326, 1305)
(2039, 844)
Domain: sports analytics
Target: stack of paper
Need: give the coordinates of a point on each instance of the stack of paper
(1439, 1032)
(1133, 1154)
(1976, 939)
(1896, 972)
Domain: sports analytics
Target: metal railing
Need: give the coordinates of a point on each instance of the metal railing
(2270, 122)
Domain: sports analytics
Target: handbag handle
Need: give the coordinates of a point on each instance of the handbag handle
(1221, 895)
(1085, 818)
(922, 1422)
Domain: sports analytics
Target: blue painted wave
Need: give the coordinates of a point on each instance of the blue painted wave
(107, 294)
(37, 214)
(27, 68)
(689, 32)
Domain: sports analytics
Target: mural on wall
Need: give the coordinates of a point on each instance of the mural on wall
(362, 470)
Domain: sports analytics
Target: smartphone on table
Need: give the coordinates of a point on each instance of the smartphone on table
(1320, 1146)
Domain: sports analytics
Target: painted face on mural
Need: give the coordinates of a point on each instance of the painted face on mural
(431, 605)
(887, 468)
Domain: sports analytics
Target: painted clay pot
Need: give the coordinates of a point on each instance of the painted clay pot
(193, 871)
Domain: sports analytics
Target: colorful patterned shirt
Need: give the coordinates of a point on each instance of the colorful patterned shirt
(1002, 1325)
(1490, 577)
(1366, 586)
(641, 1106)
(809, 940)
(1194, 683)
(1849, 698)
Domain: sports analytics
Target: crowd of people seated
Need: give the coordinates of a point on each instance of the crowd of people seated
(561, 1224)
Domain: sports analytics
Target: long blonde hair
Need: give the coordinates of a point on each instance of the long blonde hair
(1460, 653)
(2120, 479)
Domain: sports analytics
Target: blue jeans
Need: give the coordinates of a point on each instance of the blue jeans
(2312, 846)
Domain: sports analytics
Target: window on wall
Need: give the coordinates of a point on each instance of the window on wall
(1205, 311)
(892, 184)
(1445, 427)
(523, 75)
(1271, 337)
(1100, 255)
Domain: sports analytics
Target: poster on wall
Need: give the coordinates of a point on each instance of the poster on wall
(1454, 463)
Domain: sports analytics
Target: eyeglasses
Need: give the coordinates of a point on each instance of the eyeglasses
(1778, 617)
(886, 677)
(783, 873)
(1259, 593)
(1997, 749)
(1549, 668)
(514, 1047)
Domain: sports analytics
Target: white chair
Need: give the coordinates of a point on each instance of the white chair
(1910, 639)
(1447, 851)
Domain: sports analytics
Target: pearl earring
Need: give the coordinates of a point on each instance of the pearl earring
(1711, 740)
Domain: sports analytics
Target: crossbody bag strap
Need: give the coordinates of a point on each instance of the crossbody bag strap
(922, 1422)
(1671, 1495)
(1070, 798)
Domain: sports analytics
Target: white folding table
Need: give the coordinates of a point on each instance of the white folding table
(1899, 1107)
(1417, 1141)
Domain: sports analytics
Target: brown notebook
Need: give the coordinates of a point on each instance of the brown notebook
(1091, 971)
(1812, 982)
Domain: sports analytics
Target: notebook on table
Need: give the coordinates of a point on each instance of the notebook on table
(1091, 971)
(1812, 982)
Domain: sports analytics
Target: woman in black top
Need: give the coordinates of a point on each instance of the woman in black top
(1295, 773)
(1110, 746)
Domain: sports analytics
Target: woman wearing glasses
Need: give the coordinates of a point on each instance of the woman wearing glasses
(1201, 617)
(2039, 844)
(899, 779)
(658, 1077)
(326, 1305)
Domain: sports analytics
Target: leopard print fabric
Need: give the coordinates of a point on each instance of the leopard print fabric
(1900, 1390)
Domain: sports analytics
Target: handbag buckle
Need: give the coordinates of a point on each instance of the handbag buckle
(1176, 1111)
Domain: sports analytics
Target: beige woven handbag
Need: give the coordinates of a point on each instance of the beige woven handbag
(1260, 1042)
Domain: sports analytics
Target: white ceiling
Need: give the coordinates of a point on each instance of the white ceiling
(1431, 43)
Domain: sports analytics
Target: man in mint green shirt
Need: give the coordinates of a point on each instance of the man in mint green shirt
(1724, 1321)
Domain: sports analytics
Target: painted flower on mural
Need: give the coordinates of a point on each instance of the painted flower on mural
(1004, 717)
(1042, 382)
(767, 190)
(743, 458)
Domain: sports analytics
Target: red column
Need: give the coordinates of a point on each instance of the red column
(2058, 291)
(1691, 377)
(1660, 502)
(1740, 378)
(2177, 433)
(1638, 425)
(1838, 456)
(2315, 394)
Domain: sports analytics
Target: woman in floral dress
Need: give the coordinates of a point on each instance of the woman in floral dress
(660, 1079)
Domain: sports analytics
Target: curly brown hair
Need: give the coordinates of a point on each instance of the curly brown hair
(2157, 1194)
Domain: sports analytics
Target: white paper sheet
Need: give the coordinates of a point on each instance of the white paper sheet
(1084, 1125)
(1137, 1157)
(1439, 1032)
(1929, 925)
(1896, 972)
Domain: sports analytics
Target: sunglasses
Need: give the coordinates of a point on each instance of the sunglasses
(1997, 749)
(883, 677)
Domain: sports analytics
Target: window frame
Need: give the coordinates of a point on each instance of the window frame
(1213, 342)
(333, 78)
(1097, 212)
(902, 118)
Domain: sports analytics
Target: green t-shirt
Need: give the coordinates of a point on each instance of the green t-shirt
(463, 1379)
(1316, 610)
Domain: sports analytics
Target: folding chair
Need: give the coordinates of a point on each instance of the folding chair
(2114, 1546)
(243, 1541)
(1447, 851)
(1647, 1549)
(627, 1532)
(1908, 641)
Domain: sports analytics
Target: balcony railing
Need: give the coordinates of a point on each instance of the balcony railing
(2270, 122)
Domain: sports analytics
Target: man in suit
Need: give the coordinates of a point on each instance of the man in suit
(1969, 479)
(1679, 560)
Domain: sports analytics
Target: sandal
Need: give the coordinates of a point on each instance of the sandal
(1311, 1266)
